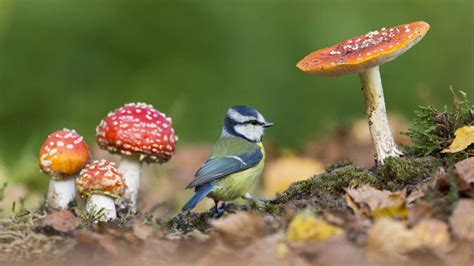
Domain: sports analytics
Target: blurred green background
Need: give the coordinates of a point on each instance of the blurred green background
(67, 63)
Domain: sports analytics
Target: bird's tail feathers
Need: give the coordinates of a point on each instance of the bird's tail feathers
(197, 197)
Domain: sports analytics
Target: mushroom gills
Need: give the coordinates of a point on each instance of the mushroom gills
(61, 193)
(102, 204)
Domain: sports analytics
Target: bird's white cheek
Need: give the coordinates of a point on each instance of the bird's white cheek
(251, 132)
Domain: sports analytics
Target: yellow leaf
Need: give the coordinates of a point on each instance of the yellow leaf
(464, 137)
(306, 226)
(392, 237)
(433, 233)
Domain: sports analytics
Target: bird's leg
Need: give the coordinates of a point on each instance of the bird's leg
(247, 196)
(219, 211)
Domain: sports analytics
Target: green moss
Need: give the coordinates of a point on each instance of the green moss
(400, 172)
(433, 130)
(326, 190)
(188, 221)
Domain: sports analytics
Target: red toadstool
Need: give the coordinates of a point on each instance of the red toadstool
(363, 55)
(139, 133)
(101, 183)
(63, 154)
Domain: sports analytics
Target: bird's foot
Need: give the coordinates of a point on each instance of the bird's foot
(219, 211)
(257, 199)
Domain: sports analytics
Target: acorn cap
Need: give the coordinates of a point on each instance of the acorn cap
(100, 177)
(360, 53)
(63, 154)
(138, 128)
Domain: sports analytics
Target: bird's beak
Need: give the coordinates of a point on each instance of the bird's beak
(267, 124)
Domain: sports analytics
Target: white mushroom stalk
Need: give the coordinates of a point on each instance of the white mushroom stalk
(382, 138)
(364, 54)
(130, 166)
(61, 193)
(103, 206)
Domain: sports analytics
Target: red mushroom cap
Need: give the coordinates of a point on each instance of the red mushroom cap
(100, 177)
(363, 52)
(138, 129)
(64, 153)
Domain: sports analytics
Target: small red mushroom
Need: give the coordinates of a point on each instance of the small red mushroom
(101, 183)
(63, 154)
(363, 55)
(139, 133)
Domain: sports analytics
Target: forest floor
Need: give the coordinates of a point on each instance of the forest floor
(414, 210)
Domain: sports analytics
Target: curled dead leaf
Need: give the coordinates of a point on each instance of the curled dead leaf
(369, 201)
(433, 233)
(392, 237)
(464, 137)
(306, 226)
(462, 220)
(240, 228)
(61, 221)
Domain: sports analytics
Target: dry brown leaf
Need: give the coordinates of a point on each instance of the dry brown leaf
(306, 226)
(433, 233)
(462, 220)
(464, 137)
(442, 181)
(380, 203)
(61, 221)
(142, 231)
(465, 169)
(282, 172)
(240, 228)
(392, 237)
(105, 241)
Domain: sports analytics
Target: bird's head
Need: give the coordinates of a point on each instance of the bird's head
(245, 122)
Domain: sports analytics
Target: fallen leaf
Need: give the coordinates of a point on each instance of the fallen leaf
(282, 172)
(462, 219)
(306, 226)
(142, 231)
(380, 203)
(240, 228)
(465, 169)
(61, 221)
(464, 137)
(104, 241)
(392, 237)
(433, 233)
(442, 181)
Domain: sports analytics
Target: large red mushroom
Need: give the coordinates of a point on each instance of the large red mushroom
(363, 55)
(139, 133)
(63, 154)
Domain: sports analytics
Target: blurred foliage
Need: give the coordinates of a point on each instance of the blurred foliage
(67, 63)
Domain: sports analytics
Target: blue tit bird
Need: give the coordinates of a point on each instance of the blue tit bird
(236, 161)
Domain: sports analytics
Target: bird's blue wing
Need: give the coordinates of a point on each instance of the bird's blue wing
(218, 167)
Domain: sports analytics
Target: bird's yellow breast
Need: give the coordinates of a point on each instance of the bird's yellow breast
(236, 185)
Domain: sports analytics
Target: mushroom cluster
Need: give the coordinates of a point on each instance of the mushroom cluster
(137, 131)
(363, 55)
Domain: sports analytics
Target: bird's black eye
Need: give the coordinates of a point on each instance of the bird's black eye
(254, 122)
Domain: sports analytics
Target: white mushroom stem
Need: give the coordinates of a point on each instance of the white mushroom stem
(104, 204)
(61, 193)
(130, 167)
(378, 122)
